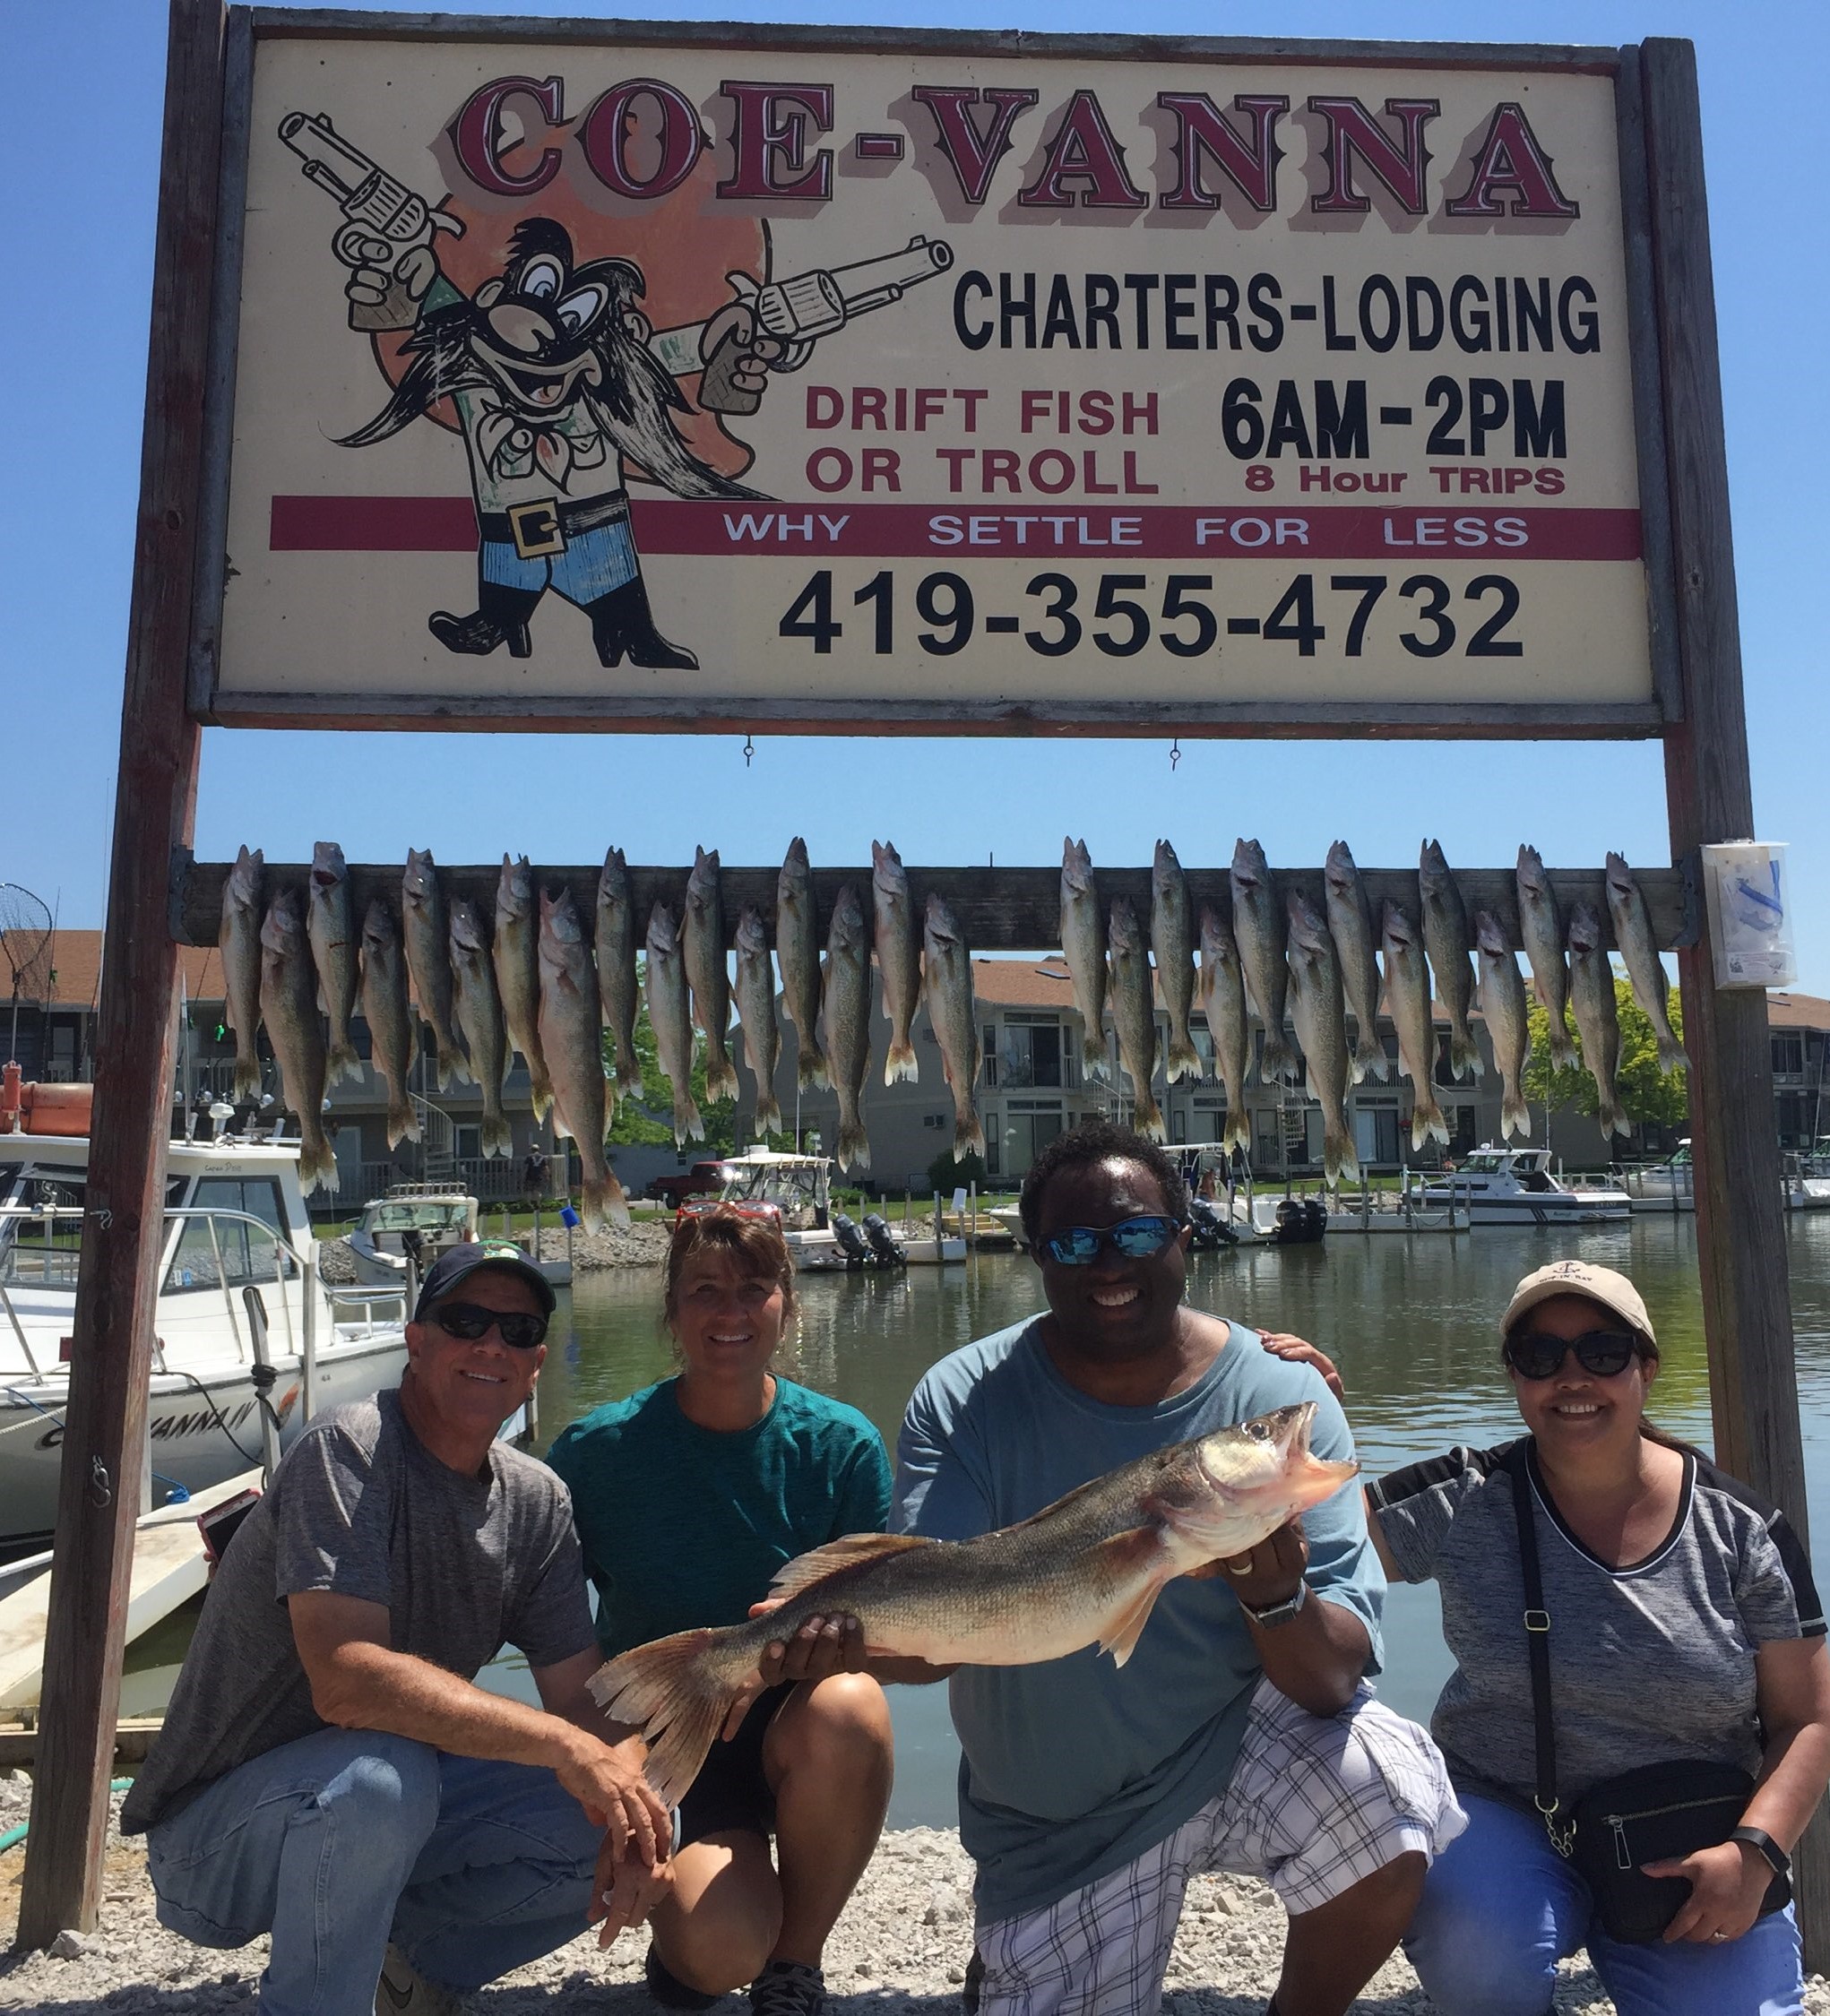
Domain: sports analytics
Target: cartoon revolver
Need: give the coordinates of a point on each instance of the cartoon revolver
(798, 312)
(385, 226)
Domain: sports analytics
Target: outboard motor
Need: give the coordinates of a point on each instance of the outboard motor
(884, 1247)
(1211, 1229)
(849, 1241)
(1314, 1218)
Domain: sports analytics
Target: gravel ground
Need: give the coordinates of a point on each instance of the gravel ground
(900, 1950)
(642, 1246)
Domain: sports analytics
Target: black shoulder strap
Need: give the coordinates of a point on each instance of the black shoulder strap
(1537, 1623)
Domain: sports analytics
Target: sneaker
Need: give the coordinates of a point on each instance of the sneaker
(665, 1986)
(404, 1991)
(788, 1988)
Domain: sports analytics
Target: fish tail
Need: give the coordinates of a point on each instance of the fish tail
(317, 1165)
(1185, 1059)
(1238, 1132)
(812, 1066)
(968, 1133)
(1464, 1054)
(498, 1137)
(247, 1075)
(721, 1077)
(401, 1125)
(452, 1068)
(628, 1071)
(854, 1145)
(673, 1692)
(341, 1062)
(1369, 1059)
(901, 1063)
(1673, 1055)
(1613, 1120)
(539, 1087)
(1514, 1116)
(1563, 1049)
(1279, 1060)
(768, 1117)
(688, 1123)
(604, 1203)
(1147, 1116)
(1427, 1123)
(1339, 1157)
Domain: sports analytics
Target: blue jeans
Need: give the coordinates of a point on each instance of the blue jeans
(345, 1839)
(1501, 1907)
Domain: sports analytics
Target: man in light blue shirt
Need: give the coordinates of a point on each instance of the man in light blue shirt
(1240, 1735)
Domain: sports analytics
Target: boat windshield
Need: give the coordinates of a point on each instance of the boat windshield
(417, 1214)
(794, 1189)
(1487, 1163)
(41, 1225)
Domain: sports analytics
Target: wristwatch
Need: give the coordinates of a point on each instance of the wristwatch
(1765, 1848)
(1275, 1614)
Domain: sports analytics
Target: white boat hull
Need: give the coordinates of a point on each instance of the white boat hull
(191, 1418)
(1566, 1208)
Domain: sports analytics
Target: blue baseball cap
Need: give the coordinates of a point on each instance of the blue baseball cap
(457, 1263)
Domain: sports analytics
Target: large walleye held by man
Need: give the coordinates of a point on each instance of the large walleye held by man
(1085, 1571)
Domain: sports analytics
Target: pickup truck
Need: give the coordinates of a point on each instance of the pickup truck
(703, 1179)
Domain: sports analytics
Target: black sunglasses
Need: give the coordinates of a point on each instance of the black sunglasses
(1536, 1354)
(468, 1322)
(1137, 1238)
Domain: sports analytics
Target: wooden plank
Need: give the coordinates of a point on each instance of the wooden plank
(999, 909)
(728, 714)
(133, 1736)
(380, 26)
(105, 1434)
(1740, 1225)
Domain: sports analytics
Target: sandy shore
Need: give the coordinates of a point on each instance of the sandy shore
(900, 1950)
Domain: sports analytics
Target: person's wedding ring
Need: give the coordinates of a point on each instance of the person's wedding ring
(1718, 1935)
(1241, 1564)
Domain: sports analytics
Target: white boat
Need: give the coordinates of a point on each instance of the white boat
(401, 1235)
(1518, 1186)
(239, 1283)
(797, 1189)
(1670, 1185)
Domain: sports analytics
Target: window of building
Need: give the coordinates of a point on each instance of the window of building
(1032, 1054)
(989, 1044)
(1029, 1126)
(1788, 1053)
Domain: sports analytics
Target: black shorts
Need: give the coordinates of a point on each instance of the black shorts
(731, 1792)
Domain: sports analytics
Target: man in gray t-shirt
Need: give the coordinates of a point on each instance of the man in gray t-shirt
(328, 1772)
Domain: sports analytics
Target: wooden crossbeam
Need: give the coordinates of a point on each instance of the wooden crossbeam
(999, 909)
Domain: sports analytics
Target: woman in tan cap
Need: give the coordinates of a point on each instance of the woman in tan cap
(1639, 1792)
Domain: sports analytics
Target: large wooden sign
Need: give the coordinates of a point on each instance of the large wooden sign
(929, 380)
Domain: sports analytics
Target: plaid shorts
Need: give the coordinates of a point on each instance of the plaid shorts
(1314, 1804)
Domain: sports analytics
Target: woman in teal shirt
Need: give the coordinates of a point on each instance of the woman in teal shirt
(689, 1496)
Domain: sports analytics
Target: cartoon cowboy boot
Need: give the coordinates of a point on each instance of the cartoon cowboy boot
(622, 624)
(501, 614)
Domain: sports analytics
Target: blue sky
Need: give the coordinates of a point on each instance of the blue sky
(84, 168)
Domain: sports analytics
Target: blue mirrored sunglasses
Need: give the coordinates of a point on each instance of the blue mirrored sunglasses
(1137, 1238)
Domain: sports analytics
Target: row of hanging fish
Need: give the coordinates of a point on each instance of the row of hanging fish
(1323, 969)
(532, 981)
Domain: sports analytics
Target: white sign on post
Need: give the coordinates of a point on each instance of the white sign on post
(920, 385)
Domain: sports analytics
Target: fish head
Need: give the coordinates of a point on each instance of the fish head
(1490, 935)
(663, 934)
(1076, 866)
(559, 917)
(1584, 930)
(1397, 928)
(1621, 881)
(702, 884)
(1254, 1477)
(514, 888)
(1164, 867)
(1533, 882)
(328, 868)
(379, 936)
(419, 884)
(1217, 946)
(1250, 869)
(466, 929)
(613, 885)
(283, 929)
(752, 940)
(1340, 871)
(1432, 868)
(1123, 934)
(1308, 933)
(796, 858)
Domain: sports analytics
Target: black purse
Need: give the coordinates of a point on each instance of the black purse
(1651, 1814)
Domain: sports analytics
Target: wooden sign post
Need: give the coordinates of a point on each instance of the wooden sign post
(1604, 591)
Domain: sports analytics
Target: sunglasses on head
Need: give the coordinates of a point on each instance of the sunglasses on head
(468, 1322)
(1137, 1238)
(1536, 1354)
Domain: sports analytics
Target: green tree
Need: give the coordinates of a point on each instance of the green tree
(946, 1175)
(1646, 1092)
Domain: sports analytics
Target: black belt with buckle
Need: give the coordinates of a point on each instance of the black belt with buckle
(540, 529)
